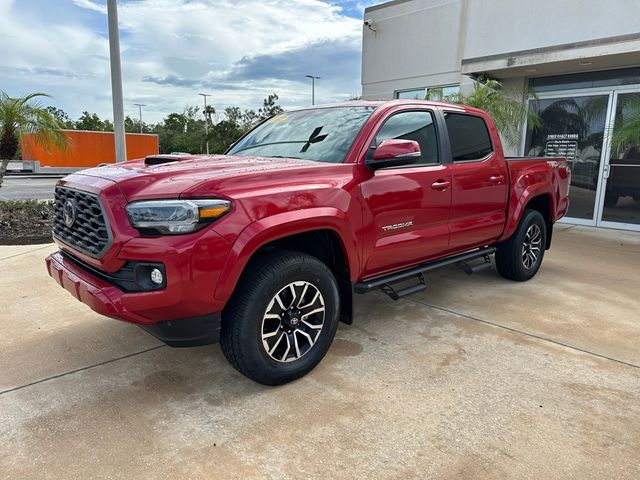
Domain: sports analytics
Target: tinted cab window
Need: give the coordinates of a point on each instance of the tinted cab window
(417, 126)
(468, 136)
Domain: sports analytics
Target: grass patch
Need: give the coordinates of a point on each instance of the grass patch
(25, 222)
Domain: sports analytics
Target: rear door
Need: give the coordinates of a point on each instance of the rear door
(406, 208)
(479, 182)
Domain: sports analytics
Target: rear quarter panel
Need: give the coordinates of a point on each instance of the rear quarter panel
(531, 178)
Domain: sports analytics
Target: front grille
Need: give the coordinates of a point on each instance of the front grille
(89, 231)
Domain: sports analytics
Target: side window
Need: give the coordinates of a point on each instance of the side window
(468, 136)
(415, 125)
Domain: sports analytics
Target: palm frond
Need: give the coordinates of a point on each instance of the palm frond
(26, 114)
(506, 107)
(626, 130)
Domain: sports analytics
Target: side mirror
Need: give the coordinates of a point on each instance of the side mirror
(394, 153)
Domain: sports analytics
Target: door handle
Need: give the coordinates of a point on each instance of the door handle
(496, 179)
(440, 185)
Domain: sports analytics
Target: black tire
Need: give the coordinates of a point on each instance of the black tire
(512, 260)
(254, 300)
(611, 199)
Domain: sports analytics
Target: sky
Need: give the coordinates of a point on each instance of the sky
(239, 51)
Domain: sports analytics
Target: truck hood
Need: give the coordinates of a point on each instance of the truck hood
(139, 180)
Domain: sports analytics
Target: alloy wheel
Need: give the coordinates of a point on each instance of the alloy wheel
(531, 246)
(293, 321)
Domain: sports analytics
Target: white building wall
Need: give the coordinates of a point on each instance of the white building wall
(502, 26)
(414, 44)
(424, 43)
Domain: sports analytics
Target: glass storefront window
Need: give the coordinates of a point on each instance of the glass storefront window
(572, 127)
(441, 93)
(622, 192)
(602, 78)
(415, 94)
(429, 93)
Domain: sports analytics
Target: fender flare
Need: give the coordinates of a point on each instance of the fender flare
(269, 229)
(517, 211)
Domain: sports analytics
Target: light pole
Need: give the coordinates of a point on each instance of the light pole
(206, 120)
(140, 105)
(116, 82)
(313, 88)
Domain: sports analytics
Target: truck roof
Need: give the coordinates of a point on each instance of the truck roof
(389, 103)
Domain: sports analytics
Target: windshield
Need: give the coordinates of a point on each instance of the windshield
(322, 134)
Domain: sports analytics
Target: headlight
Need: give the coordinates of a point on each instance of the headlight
(175, 216)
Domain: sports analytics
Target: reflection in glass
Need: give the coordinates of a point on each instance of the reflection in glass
(572, 127)
(622, 193)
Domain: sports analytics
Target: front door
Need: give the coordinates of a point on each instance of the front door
(406, 208)
(620, 196)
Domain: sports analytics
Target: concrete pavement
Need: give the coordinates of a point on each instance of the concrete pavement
(477, 377)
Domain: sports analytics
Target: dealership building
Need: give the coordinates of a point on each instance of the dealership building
(576, 63)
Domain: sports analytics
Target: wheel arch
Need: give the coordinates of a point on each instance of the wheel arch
(324, 237)
(532, 199)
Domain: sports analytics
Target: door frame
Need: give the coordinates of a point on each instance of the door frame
(612, 92)
(602, 180)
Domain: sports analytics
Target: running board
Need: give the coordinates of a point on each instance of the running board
(471, 268)
(385, 282)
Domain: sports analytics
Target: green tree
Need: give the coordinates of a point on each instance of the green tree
(133, 126)
(61, 116)
(506, 107)
(269, 107)
(181, 132)
(26, 115)
(92, 122)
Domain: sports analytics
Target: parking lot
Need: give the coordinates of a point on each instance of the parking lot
(476, 377)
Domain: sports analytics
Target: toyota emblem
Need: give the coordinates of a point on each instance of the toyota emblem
(69, 212)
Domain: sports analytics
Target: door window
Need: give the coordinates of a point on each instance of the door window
(622, 193)
(468, 136)
(415, 125)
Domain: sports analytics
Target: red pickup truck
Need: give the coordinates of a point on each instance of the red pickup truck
(262, 248)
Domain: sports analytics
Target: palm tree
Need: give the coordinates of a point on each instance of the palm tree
(26, 115)
(507, 108)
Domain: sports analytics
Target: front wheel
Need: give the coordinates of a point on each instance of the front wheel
(520, 257)
(282, 318)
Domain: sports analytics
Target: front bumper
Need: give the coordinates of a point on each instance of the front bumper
(109, 300)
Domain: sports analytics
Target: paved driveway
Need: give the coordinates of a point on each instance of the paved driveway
(476, 377)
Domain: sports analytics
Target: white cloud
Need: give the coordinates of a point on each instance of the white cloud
(89, 5)
(191, 44)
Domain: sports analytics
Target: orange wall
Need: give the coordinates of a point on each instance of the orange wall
(88, 149)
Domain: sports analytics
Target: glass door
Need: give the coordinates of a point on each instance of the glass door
(573, 126)
(620, 192)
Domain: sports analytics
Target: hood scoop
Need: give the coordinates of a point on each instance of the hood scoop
(160, 159)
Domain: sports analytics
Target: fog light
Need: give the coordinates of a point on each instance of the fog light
(156, 276)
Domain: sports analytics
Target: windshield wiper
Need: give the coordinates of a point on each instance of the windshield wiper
(270, 143)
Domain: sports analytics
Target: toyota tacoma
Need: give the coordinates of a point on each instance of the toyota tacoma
(264, 247)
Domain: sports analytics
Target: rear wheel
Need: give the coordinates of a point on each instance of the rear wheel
(282, 318)
(611, 199)
(520, 257)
